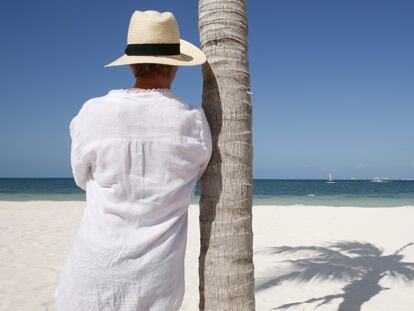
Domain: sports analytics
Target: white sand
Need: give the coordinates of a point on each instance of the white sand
(364, 271)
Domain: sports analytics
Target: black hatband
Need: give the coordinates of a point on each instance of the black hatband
(153, 49)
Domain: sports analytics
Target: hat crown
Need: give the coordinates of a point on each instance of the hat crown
(153, 27)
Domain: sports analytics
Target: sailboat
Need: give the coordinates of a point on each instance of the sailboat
(330, 178)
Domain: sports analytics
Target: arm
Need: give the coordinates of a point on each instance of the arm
(207, 143)
(79, 162)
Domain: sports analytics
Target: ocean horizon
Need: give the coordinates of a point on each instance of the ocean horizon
(344, 192)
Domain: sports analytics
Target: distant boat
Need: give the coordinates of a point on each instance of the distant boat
(378, 179)
(330, 178)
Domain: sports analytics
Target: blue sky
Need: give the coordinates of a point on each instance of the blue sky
(333, 82)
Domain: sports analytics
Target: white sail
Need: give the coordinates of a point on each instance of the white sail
(330, 178)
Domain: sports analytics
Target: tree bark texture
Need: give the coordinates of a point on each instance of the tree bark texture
(226, 268)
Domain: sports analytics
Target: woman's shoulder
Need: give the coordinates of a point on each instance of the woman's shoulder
(98, 107)
(95, 102)
(88, 103)
(86, 107)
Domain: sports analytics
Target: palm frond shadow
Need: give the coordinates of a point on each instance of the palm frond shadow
(361, 265)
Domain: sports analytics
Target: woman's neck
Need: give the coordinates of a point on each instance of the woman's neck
(152, 84)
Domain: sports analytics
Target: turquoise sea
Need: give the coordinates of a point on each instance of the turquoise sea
(364, 193)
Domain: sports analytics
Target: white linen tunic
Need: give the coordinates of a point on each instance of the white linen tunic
(138, 156)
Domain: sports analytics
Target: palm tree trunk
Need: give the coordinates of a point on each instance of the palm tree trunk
(226, 267)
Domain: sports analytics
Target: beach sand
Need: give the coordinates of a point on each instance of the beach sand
(306, 257)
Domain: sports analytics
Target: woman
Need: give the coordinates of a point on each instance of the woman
(138, 154)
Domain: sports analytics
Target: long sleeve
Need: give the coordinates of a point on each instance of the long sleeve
(79, 162)
(207, 143)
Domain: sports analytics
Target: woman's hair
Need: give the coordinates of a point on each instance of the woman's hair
(151, 70)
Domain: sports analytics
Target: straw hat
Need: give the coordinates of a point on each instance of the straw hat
(154, 37)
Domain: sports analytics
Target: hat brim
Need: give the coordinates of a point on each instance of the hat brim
(190, 56)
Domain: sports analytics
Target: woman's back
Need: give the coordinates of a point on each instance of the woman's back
(138, 155)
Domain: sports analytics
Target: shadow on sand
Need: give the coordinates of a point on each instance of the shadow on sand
(362, 265)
